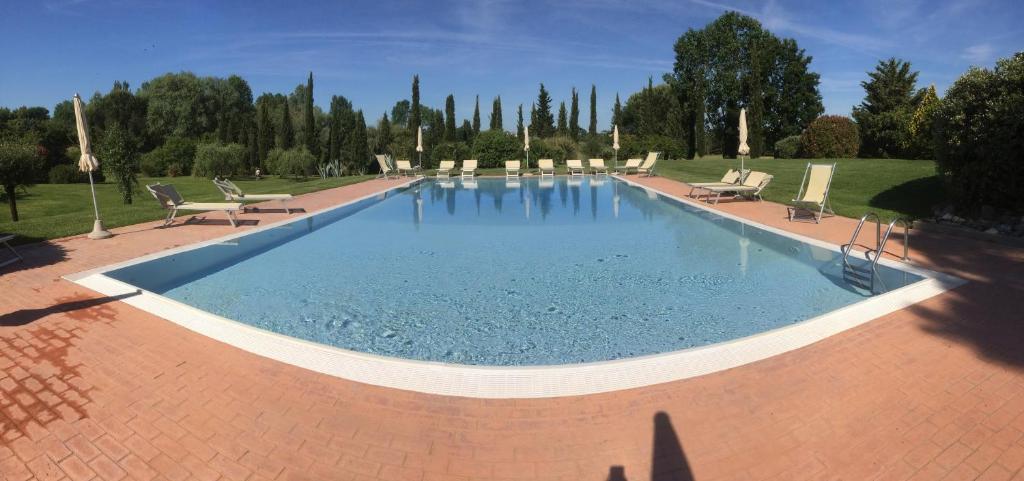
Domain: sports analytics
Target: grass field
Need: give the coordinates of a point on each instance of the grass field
(50, 211)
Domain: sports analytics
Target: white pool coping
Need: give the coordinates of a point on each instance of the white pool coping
(517, 382)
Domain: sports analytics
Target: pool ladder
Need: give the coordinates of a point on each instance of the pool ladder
(866, 277)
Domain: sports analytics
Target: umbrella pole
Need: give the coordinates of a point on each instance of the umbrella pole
(98, 232)
(527, 159)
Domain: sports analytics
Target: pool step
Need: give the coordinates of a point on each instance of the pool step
(859, 276)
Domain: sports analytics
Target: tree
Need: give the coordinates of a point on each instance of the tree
(465, 133)
(309, 130)
(543, 122)
(449, 118)
(617, 111)
(563, 127)
(885, 113)
(358, 146)
(264, 131)
(19, 166)
(383, 134)
(415, 120)
(519, 122)
(400, 113)
(922, 124)
(496, 120)
(286, 135)
(592, 129)
(476, 116)
(177, 106)
(574, 115)
(120, 155)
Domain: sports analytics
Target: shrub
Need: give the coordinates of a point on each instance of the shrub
(557, 148)
(830, 137)
(788, 148)
(67, 174)
(214, 159)
(979, 137)
(176, 150)
(296, 162)
(448, 151)
(492, 148)
(119, 158)
(638, 146)
(73, 155)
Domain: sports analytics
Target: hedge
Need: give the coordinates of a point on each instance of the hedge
(830, 137)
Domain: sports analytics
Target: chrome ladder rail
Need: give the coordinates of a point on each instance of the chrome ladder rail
(880, 251)
(864, 277)
(856, 232)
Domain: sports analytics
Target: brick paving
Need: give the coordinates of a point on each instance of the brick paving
(91, 388)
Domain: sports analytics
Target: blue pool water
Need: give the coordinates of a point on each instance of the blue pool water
(538, 272)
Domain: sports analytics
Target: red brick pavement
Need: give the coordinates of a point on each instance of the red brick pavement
(91, 388)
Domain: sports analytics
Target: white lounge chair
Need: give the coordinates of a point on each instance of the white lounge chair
(546, 167)
(386, 170)
(512, 168)
(468, 168)
(404, 167)
(813, 195)
(631, 164)
(597, 167)
(731, 177)
(575, 167)
(444, 169)
(751, 186)
(4, 239)
(233, 193)
(648, 166)
(170, 199)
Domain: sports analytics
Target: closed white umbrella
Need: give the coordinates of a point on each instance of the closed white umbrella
(526, 144)
(744, 149)
(615, 144)
(88, 163)
(419, 144)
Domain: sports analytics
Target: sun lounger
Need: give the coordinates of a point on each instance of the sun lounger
(169, 199)
(385, 166)
(731, 177)
(444, 169)
(648, 166)
(750, 187)
(512, 168)
(546, 167)
(405, 167)
(597, 167)
(631, 164)
(5, 239)
(575, 167)
(813, 195)
(233, 193)
(468, 168)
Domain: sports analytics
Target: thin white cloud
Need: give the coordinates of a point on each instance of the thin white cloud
(978, 54)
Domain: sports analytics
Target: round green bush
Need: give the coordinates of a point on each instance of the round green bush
(638, 146)
(979, 137)
(67, 174)
(176, 150)
(297, 162)
(493, 147)
(449, 151)
(214, 159)
(557, 148)
(830, 137)
(788, 148)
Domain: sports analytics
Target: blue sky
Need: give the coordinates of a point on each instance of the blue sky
(368, 51)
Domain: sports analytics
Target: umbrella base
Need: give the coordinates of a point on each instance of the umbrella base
(98, 232)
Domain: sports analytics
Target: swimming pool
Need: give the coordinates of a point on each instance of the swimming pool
(513, 274)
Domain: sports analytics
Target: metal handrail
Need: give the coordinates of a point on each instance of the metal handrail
(856, 232)
(906, 241)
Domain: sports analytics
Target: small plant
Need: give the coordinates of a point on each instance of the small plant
(830, 137)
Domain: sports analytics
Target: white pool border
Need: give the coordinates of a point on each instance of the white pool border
(516, 382)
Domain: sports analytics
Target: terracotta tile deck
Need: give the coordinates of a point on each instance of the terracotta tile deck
(91, 388)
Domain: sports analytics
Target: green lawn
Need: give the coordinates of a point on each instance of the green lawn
(50, 211)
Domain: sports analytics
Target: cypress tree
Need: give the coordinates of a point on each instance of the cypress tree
(574, 115)
(617, 111)
(466, 131)
(265, 132)
(592, 130)
(286, 138)
(563, 128)
(755, 111)
(519, 123)
(542, 120)
(310, 127)
(414, 116)
(496, 114)
(449, 118)
(698, 111)
(383, 134)
(358, 149)
(476, 116)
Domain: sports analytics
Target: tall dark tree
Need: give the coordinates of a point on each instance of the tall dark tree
(543, 121)
(496, 120)
(476, 116)
(592, 129)
(286, 135)
(465, 133)
(617, 111)
(415, 120)
(563, 126)
(449, 118)
(519, 122)
(264, 129)
(400, 113)
(357, 146)
(309, 129)
(885, 114)
(755, 107)
(383, 134)
(574, 115)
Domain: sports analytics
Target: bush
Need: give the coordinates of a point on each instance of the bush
(638, 147)
(176, 150)
(73, 155)
(979, 137)
(296, 162)
(448, 151)
(492, 148)
(830, 137)
(214, 159)
(788, 148)
(119, 158)
(557, 148)
(67, 174)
